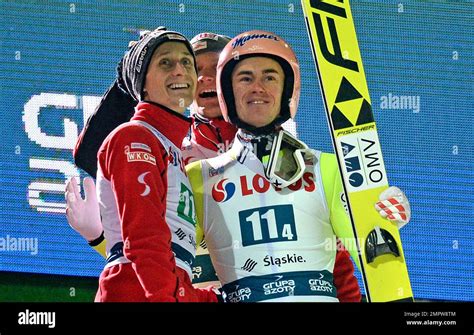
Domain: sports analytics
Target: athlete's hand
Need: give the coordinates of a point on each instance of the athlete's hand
(394, 206)
(83, 215)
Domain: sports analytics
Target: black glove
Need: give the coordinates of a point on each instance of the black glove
(115, 108)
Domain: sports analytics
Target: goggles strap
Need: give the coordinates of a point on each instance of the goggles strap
(262, 146)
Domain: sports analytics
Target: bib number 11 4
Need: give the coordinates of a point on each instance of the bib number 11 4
(267, 224)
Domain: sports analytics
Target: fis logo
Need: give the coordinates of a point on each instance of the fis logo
(223, 190)
(214, 172)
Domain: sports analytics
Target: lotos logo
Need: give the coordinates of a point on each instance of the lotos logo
(259, 184)
(223, 190)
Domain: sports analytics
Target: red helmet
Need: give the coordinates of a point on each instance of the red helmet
(257, 43)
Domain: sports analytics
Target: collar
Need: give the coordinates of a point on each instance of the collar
(243, 151)
(212, 133)
(171, 124)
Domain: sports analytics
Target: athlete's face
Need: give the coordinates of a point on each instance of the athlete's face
(206, 102)
(258, 87)
(171, 77)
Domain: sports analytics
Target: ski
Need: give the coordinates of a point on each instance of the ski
(353, 130)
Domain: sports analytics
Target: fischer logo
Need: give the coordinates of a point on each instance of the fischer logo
(242, 40)
(239, 294)
(223, 190)
(355, 130)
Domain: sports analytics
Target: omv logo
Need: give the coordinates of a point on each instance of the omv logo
(223, 190)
